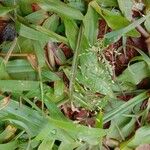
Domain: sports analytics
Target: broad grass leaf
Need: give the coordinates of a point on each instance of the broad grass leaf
(31, 118)
(31, 33)
(90, 135)
(84, 45)
(3, 71)
(24, 45)
(5, 10)
(46, 144)
(90, 22)
(37, 17)
(99, 120)
(135, 72)
(71, 31)
(125, 107)
(108, 3)
(8, 3)
(80, 5)
(54, 37)
(115, 35)
(115, 20)
(9, 146)
(93, 74)
(59, 88)
(18, 85)
(147, 2)
(19, 66)
(82, 100)
(50, 76)
(67, 146)
(147, 24)
(145, 57)
(69, 132)
(82, 147)
(40, 54)
(147, 6)
(115, 103)
(51, 22)
(142, 136)
(59, 129)
(121, 127)
(54, 110)
(56, 98)
(61, 9)
(38, 33)
(25, 6)
(20, 69)
(51, 132)
(37, 92)
(32, 104)
(126, 8)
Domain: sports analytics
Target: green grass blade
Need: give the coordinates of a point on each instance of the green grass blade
(61, 9)
(125, 107)
(31, 33)
(5, 10)
(18, 85)
(9, 146)
(90, 23)
(114, 35)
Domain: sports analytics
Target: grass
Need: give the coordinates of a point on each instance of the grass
(59, 85)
